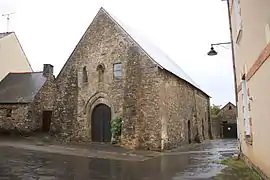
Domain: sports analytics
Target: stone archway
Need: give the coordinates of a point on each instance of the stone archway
(94, 101)
(101, 123)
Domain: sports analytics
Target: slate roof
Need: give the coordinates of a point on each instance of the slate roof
(21, 87)
(156, 54)
(4, 34)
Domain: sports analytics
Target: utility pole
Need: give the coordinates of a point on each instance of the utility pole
(8, 18)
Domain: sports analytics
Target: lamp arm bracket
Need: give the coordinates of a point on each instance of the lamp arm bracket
(216, 44)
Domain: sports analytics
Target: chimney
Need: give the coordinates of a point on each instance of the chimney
(47, 70)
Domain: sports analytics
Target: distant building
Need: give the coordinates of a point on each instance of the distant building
(251, 36)
(12, 57)
(225, 124)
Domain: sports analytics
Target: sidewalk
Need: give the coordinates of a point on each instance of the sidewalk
(94, 150)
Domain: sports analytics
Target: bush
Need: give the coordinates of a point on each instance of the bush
(116, 125)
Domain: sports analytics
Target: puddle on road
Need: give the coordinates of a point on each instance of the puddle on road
(24, 164)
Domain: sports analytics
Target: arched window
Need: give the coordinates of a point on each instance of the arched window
(100, 69)
(85, 76)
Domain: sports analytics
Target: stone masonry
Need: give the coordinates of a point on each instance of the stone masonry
(155, 104)
(19, 120)
(181, 103)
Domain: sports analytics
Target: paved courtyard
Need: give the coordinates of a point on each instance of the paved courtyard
(197, 162)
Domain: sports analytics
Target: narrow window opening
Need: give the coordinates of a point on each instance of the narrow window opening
(85, 76)
(100, 69)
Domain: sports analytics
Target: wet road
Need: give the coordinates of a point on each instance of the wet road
(196, 163)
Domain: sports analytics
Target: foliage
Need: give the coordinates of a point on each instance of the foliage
(236, 169)
(215, 109)
(116, 125)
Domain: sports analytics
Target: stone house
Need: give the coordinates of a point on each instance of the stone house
(225, 123)
(114, 72)
(15, 60)
(26, 101)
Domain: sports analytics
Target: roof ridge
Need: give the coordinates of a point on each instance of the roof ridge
(25, 72)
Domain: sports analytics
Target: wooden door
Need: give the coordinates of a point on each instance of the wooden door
(101, 124)
(230, 130)
(46, 123)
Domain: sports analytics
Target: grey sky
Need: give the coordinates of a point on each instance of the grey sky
(50, 29)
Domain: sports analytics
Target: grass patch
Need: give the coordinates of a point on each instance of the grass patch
(236, 170)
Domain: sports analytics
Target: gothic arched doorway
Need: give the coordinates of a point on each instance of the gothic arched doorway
(101, 123)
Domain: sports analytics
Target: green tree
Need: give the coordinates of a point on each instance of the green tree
(215, 109)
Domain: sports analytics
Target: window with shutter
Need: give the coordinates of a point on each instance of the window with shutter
(245, 107)
(238, 20)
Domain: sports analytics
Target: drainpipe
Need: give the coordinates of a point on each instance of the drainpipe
(234, 73)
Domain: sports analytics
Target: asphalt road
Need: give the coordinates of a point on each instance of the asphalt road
(191, 163)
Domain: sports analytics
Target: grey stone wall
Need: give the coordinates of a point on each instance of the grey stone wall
(43, 101)
(180, 103)
(141, 102)
(66, 100)
(216, 127)
(202, 109)
(20, 120)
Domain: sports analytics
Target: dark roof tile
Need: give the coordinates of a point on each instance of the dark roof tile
(21, 87)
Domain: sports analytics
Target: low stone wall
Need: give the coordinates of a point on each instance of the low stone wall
(216, 127)
(16, 118)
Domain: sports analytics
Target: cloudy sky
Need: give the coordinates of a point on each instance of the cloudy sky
(184, 29)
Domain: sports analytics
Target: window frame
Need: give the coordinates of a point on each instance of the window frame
(237, 19)
(117, 70)
(245, 107)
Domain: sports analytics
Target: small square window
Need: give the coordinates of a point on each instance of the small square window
(117, 66)
(117, 71)
(9, 112)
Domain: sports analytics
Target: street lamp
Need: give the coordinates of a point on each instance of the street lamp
(212, 51)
